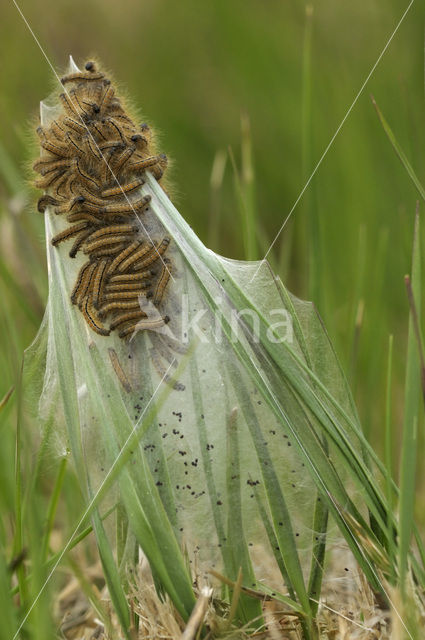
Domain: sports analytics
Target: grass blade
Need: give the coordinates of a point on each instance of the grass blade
(411, 415)
(51, 512)
(399, 151)
(389, 463)
(245, 608)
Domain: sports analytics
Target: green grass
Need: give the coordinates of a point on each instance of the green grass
(292, 74)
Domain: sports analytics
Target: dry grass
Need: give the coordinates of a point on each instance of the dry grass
(348, 613)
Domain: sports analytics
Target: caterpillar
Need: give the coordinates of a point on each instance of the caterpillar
(91, 168)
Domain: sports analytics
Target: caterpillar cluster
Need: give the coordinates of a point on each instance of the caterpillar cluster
(92, 166)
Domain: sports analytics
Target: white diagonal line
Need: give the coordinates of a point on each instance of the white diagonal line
(89, 507)
(341, 615)
(91, 136)
(332, 140)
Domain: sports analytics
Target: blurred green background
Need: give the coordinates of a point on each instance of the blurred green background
(193, 68)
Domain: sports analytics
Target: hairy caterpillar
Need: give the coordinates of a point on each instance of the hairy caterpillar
(92, 165)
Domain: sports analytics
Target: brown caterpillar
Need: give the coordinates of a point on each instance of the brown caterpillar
(92, 165)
